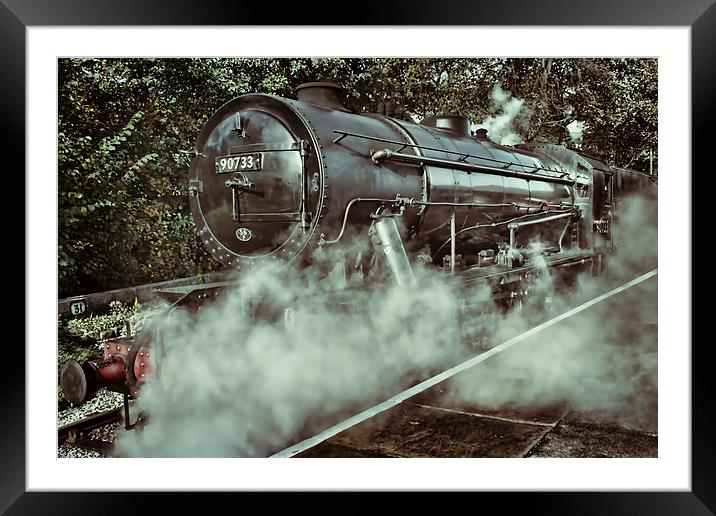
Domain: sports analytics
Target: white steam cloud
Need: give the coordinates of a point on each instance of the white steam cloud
(500, 126)
(231, 384)
(601, 362)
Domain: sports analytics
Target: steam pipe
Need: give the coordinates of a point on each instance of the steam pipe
(452, 242)
(409, 201)
(514, 226)
(495, 224)
(386, 238)
(322, 241)
(386, 154)
(561, 236)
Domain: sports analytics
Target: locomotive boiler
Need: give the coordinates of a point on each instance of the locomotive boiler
(272, 180)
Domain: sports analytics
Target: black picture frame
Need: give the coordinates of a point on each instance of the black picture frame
(700, 15)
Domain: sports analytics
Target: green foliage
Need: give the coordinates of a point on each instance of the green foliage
(624, 120)
(95, 326)
(123, 210)
(74, 346)
(615, 98)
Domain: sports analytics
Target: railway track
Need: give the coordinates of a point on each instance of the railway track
(546, 427)
(420, 421)
(77, 433)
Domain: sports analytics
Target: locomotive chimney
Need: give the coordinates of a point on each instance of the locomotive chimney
(321, 94)
(481, 134)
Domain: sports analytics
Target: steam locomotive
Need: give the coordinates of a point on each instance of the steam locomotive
(274, 180)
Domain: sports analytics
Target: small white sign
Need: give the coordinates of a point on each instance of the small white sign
(78, 307)
(243, 234)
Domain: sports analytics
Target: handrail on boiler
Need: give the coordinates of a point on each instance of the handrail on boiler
(514, 226)
(386, 154)
(463, 155)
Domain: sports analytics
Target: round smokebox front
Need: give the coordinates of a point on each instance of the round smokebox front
(247, 185)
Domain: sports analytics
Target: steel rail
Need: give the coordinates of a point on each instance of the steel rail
(96, 420)
(306, 444)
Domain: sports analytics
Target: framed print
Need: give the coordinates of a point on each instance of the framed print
(45, 45)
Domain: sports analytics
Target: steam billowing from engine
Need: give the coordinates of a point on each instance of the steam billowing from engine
(231, 385)
(363, 245)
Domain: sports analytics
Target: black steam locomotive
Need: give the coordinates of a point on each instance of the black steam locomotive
(275, 179)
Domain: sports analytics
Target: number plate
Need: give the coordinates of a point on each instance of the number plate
(78, 307)
(226, 164)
